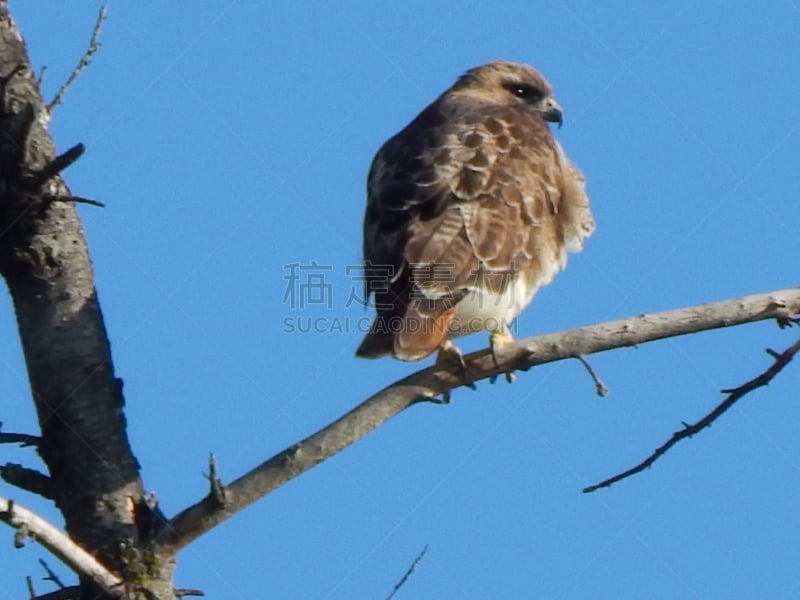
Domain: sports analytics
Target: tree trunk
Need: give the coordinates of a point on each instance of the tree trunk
(95, 478)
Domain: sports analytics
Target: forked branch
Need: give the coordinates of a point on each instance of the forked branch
(429, 383)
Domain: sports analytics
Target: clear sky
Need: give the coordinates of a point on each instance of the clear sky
(232, 139)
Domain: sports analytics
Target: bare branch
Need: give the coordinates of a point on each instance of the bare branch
(23, 439)
(60, 545)
(51, 575)
(54, 167)
(186, 592)
(781, 360)
(408, 573)
(599, 387)
(31, 589)
(83, 62)
(76, 200)
(217, 490)
(429, 383)
(27, 479)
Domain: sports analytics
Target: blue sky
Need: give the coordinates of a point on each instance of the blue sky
(232, 139)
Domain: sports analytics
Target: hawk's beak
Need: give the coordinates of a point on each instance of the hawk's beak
(551, 111)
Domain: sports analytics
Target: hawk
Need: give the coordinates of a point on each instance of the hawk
(470, 210)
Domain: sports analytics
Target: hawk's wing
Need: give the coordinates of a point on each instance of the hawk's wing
(458, 202)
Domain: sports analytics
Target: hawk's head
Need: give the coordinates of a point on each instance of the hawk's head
(505, 82)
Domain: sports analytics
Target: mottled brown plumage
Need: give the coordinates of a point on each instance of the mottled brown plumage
(470, 210)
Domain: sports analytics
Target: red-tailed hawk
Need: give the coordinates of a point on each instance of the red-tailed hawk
(470, 210)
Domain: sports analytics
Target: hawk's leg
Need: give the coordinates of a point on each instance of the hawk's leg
(498, 339)
(449, 355)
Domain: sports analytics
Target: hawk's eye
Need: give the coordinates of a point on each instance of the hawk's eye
(525, 91)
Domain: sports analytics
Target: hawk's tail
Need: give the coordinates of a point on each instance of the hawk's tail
(419, 336)
(376, 344)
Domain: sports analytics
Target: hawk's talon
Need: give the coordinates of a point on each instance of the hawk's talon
(443, 398)
(510, 377)
(498, 339)
(449, 354)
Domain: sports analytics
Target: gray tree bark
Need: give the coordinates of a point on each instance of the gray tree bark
(45, 263)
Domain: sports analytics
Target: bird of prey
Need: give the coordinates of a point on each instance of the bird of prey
(471, 208)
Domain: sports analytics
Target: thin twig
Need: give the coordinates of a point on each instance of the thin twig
(31, 589)
(76, 200)
(408, 572)
(185, 592)
(83, 62)
(51, 575)
(781, 360)
(599, 387)
(216, 489)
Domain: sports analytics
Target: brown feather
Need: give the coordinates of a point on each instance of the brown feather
(473, 197)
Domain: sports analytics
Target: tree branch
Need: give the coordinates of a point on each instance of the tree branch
(411, 568)
(23, 439)
(51, 575)
(599, 387)
(781, 360)
(186, 592)
(216, 489)
(54, 168)
(83, 62)
(45, 262)
(27, 479)
(77, 200)
(60, 545)
(431, 382)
